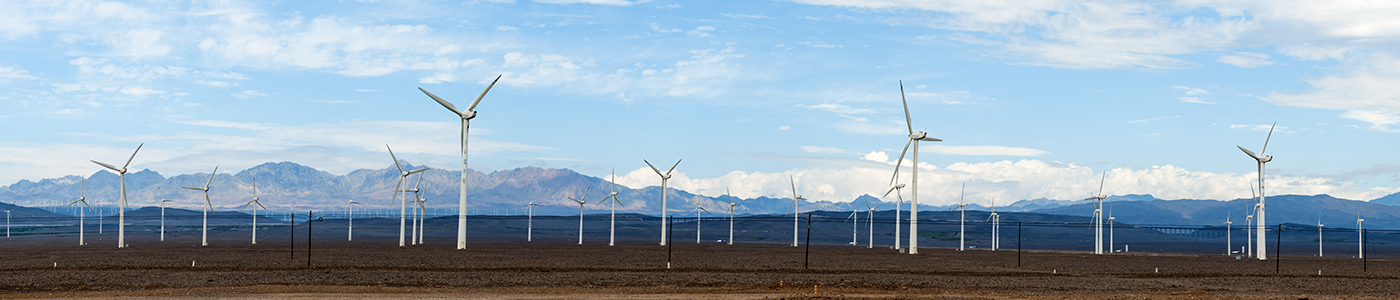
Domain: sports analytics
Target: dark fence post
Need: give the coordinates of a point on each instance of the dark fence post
(308, 238)
(1365, 247)
(807, 255)
(669, 244)
(1278, 242)
(292, 238)
(1018, 244)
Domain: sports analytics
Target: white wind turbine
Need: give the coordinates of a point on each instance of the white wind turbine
(897, 204)
(1249, 223)
(1230, 247)
(530, 225)
(914, 137)
(795, 198)
(422, 218)
(727, 197)
(698, 210)
(1110, 229)
(962, 222)
(121, 219)
(996, 226)
(664, 177)
(1319, 235)
(466, 116)
(580, 213)
(350, 213)
(1098, 215)
(854, 215)
(1360, 253)
(82, 188)
(162, 215)
(204, 239)
(612, 194)
(403, 206)
(870, 218)
(413, 232)
(255, 209)
(1259, 207)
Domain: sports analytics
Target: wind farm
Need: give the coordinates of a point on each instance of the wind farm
(289, 108)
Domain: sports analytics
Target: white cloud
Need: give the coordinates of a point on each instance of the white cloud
(821, 45)
(823, 150)
(140, 91)
(13, 73)
(596, 2)
(1154, 119)
(1193, 100)
(247, 94)
(981, 150)
(1246, 59)
(784, 128)
(140, 43)
(1258, 127)
(507, 28)
(702, 31)
(840, 109)
(744, 16)
(1366, 92)
(438, 78)
(1190, 90)
(1380, 120)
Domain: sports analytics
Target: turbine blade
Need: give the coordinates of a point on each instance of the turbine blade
(260, 204)
(907, 121)
(444, 103)
(1266, 138)
(194, 188)
(138, 149)
(397, 186)
(887, 194)
(418, 170)
(245, 205)
(416, 186)
(653, 168)
(794, 187)
(1251, 153)
(211, 177)
(900, 161)
(673, 167)
(1102, 178)
(114, 168)
(396, 158)
(931, 139)
(483, 93)
(89, 207)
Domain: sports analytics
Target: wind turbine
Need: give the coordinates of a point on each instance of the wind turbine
(204, 239)
(1359, 246)
(854, 215)
(466, 116)
(897, 203)
(996, 226)
(350, 212)
(1230, 247)
(1098, 215)
(413, 232)
(870, 218)
(422, 218)
(664, 177)
(612, 194)
(7, 224)
(1319, 234)
(1110, 229)
(530, 227)
(1262, 159)
(795, 198)
(962, 222)
(727, 197)
(162, 216)
(82, 188)
(121, 219)
(255, 209)
(1249, 222)
(580, 213)
(914, 137)
(403, 206)
(698, 210)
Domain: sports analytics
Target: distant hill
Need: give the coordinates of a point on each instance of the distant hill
(1300, 209)
(1392, 200)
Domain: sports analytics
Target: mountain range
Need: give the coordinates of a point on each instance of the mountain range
(288, 186)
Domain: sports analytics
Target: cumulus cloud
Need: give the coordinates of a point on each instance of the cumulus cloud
(1194, 100)
(1245, 59)
(595, 2)
(140, 91)
(247, 94)
(13, 73)
(1365, 92)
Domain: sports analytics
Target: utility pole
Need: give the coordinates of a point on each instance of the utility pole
(808, 252)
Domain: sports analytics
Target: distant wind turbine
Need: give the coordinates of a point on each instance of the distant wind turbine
(727, 197)
(413, 232)
(403, 206)
(581, 201)
(1249, 223)
(255, 209)
(698, 210)
(962, 222)
(162, 215)
(664, 177)
(1229, 246)
(795, 198)
(121, 219)
(856, 216)
(1360, 250)
(870, 218)
(530, 225)
(82, 187)
(1262, 159)
(350, 213)
(897, 204)
(996, 226)
(466, 117)
(914, 138)
(204, 239)
(1098, 215)
(612, 195)
(1319, 235)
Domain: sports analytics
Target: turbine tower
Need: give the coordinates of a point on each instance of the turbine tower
(82, 188)
(698, 210)
(530, 225)
(729, 198)
(403, 206)
(413, 232)
(897, 204)
(664, 177)
(1249, 223)
(255, 209)
(466, 116)
(855, 216)
(162, 216)
(914, 138)
(1230, 247)
(1098, 215)
(612, 195)
(1319, 234)
(996, 226)
(1360, 253)
(121, 219)
(795, 198)
(1110, 229)
(870, 218)
(204, 239)
(1262, 159)
(350, 213)
(962, 222)
(580, 213)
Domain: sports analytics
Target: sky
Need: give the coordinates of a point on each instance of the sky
(1033, 99)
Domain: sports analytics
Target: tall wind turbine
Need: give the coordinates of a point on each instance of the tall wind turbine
(795, 198)
(1110, 229)
(530, 225)
(255, 209)
(1098, 215)
(664, 177)
(1249, 223)
(121, 219)
(466, 116)
(422, 218)
(204, 239)
(698, 210)
(403, 206)
(82, 187)
(1262, 159)
(962, 222)
(413, 232)
(612, 195)
(914, 138)
(1230, 247)
(1360, 253)
(996, 226)
(580, 213)
(870, 218)
(855, 215)
(1319, 234)
(727, 197)
(350, 213)
(897, 204)
(162, 216)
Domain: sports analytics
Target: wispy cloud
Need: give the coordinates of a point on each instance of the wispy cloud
(1246, 59)
(1154, 119)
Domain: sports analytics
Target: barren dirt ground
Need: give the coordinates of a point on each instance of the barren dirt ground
(231, 268)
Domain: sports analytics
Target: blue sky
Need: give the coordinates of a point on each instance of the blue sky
(1033, 98)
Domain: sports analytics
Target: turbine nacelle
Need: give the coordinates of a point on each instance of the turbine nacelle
(923, 136)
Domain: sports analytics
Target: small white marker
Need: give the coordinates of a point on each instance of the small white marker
(55, 265)
(1155, 270)
(191, 263)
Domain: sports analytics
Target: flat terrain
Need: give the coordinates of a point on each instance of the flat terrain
(375, 267)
